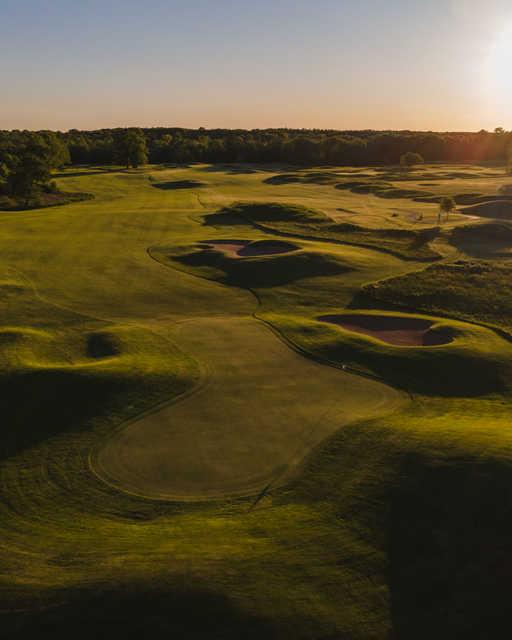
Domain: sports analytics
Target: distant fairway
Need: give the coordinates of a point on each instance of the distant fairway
(261, 408)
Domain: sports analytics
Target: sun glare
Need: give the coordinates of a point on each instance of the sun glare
(499, 65)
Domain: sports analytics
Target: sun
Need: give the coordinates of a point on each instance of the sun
(499, 66)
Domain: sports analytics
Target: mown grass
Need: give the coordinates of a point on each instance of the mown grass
(395, 527)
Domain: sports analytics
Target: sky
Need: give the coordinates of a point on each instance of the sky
(440, 65)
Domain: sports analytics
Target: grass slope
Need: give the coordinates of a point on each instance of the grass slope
(477, 291)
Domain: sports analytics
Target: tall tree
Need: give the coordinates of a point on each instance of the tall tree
(446, 206)
(131, 148)
(409, 159)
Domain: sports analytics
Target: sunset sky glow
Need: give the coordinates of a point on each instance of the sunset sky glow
(400, 64)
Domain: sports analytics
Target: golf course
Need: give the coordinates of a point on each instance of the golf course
(257, 401)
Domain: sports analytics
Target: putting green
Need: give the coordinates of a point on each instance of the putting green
(260, 409)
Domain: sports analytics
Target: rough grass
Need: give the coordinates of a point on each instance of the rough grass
(488, 240)
(41, 200)
(477, 291)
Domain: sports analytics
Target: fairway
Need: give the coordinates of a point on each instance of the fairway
(250, 383)
(260, 409)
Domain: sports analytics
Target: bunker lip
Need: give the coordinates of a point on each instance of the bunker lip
(226, 246)
(396, 330)
(266, 248)
(248, 248)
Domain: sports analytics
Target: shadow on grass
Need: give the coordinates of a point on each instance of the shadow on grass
(233, 169)
(87, 172)
(451, 549)
(179, 184)
(136, 613)
(489, 240)
(42, 403)
(224, 218)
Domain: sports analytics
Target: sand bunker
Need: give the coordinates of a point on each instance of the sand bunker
(396, 330)
(246, 248)
(226, 246)
(266, 248)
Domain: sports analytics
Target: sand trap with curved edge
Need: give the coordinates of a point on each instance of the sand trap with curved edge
(248, 248)
(231, 247)
(396, 330)
(267, 248)
(261, 408)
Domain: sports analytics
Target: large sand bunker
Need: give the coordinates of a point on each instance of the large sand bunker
(248, 248)
(397, 330)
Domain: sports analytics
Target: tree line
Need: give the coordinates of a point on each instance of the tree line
(27, 158)
(294, 146)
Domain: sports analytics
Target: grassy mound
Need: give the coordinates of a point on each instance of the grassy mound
(364, 186)
(395, 192)
(267, 247)
(310, 177)
(474, 291)
(103, 344)
(72, 387)
(179, 184)
(475, 363)
(383, 189)
(257, 271)
(294, 220)
(501, 209)
(396, 330)
(276, 212)
(283, 178)
(492, 239)
(62, 372)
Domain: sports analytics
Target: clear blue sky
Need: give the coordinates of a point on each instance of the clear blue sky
(418, 64)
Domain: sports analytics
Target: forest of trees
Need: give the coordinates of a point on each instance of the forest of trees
(27, 158)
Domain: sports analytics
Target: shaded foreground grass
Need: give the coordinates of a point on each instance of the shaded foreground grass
(395, 527)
